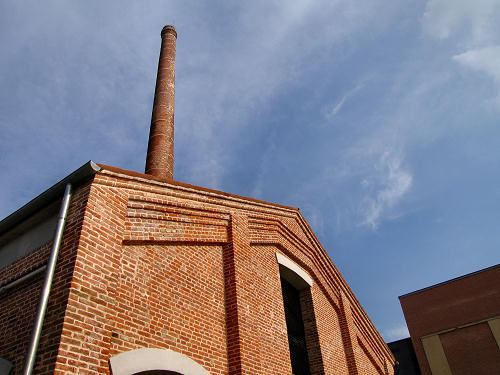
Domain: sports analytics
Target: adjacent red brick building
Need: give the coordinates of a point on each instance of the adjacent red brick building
(155, 276)
(455, 325)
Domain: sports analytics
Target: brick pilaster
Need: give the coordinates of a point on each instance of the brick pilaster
(242, 340)
(349, 335)
(88, 321)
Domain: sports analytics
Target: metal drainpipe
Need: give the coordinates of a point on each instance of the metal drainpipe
(47, 284)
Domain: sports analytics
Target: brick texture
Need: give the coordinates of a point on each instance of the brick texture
(458, 306)
(472, 350)
(18, 306)
(155, 263)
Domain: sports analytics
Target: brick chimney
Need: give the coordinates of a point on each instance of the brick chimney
(160, 157)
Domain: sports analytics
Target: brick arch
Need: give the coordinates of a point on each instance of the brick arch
(149, 361)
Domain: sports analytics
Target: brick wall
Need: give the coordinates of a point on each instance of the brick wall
(18, 305)
(169, 265)
(458, 307)
(471, 350)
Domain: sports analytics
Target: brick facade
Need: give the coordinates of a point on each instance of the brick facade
(151, 263)
(18, 305)
(456, 324)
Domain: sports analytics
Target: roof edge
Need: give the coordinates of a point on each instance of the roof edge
(400, 340)
(189, 186)
(450, 280)
(80, 175)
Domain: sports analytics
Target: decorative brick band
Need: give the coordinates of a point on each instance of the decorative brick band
(159, 222)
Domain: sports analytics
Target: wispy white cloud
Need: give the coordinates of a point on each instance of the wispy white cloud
(267, 56)
(364, 189)
(331, 111)
(486, 60)
(384, 189)
(369, 179)
(396, 333)
(475, 22)
(483, 59)
(472, 29)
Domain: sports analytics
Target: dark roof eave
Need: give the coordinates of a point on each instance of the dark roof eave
(77, 177)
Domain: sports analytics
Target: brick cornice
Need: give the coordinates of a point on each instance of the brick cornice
(181, 186)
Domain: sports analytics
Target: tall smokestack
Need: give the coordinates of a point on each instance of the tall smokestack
(160, 157)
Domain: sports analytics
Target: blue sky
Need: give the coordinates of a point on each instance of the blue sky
(379, 119)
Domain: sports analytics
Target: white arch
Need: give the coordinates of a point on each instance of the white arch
(148, 359)
(295, 275)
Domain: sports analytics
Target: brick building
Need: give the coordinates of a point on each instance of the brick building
(155, 276)
(455, 325)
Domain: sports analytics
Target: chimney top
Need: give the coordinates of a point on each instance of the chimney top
(168, 29)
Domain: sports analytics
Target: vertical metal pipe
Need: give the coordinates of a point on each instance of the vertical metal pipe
(47, 284)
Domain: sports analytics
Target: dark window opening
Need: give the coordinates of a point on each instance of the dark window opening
(295, 329)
